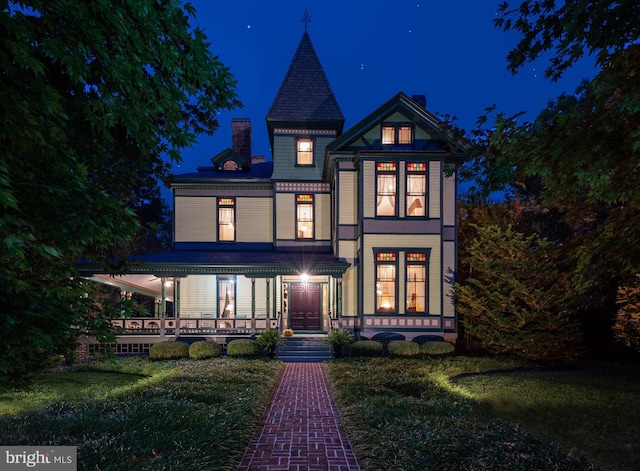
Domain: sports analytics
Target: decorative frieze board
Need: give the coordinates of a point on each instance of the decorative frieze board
(303, 187)
(310, 132)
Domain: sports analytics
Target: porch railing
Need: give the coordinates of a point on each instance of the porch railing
(174, 326)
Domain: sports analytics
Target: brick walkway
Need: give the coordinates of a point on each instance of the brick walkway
(301, 430)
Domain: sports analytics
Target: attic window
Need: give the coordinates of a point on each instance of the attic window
(397, 134)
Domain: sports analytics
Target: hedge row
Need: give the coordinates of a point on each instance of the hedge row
(203, 349)
(401, 348)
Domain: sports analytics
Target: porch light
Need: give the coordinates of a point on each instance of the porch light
(304, 277)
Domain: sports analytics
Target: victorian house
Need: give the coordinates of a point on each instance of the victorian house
(342, 228)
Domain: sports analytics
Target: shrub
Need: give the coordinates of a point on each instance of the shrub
(245, 348)
(366, 348)
(169, 350)
(203, 349)
(403, 348)
(269, 340)
(436, 348)
(339, 338)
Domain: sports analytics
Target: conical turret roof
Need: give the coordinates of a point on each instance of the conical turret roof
(305, 94)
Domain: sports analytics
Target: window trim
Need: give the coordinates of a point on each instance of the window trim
(222, 296)
(385, 258)
(397, 127)
(408, 196)
(380, 171)
(418, 258)
(225, 203)
(311, 140)
(299, 197)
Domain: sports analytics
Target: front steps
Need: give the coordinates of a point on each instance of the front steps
(301, 349)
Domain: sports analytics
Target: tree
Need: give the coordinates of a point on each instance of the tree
(627, 325)
(515, 300)
(94, 95)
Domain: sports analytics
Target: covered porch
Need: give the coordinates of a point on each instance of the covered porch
(217, 295)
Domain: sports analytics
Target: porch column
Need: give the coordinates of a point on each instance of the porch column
(176, 305)
(253, 306)
(339, 299)
(163, 305)
(268, 306)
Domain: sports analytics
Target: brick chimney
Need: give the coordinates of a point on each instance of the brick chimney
(420, 99)
(241, 137)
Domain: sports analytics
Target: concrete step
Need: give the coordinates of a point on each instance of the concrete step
(304, 349)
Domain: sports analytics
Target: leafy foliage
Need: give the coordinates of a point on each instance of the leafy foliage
(436, 348)
(203, 349)
(403, 348)
(366, 348)
(516, 301)
(93, 96)
(270, 339)
(627, 325)
(244, 348)
(169, 350)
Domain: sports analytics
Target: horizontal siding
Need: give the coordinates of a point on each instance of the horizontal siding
(243, 297)
(285, 216)
(350, 292)
(449, 200)
(254, 220)
(198, 295)
(348, 249)
(195, 219)
(449, 263)
(348, 210)
(323, 216)
(434, 189)
(369, 189)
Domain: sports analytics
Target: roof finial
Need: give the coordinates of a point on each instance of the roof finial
(306, 19)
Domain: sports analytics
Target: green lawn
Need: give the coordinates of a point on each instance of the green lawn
(409, 415)
(173, 415)
(455, 413)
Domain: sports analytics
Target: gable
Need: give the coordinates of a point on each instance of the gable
(428, 132)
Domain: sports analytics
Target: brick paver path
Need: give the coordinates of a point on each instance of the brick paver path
(300, 431)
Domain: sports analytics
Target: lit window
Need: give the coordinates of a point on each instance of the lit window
(226, 296)
(388, 135)
(304, 216)
(230, 165)
(386, 188)
(397, 134)
(226, 219)
(405, 135)
(416, 189)
(416, 282)
(305, 151)
(385, 282)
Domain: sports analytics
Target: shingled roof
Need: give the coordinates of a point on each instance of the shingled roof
(305, 94)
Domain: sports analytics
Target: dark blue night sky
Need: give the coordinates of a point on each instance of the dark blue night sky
(448, 50)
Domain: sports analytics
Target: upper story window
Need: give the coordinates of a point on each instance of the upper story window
(304, 217)
(226, 219)
(386, 192)
(416, 189)
(397, 134)
(304, 151)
